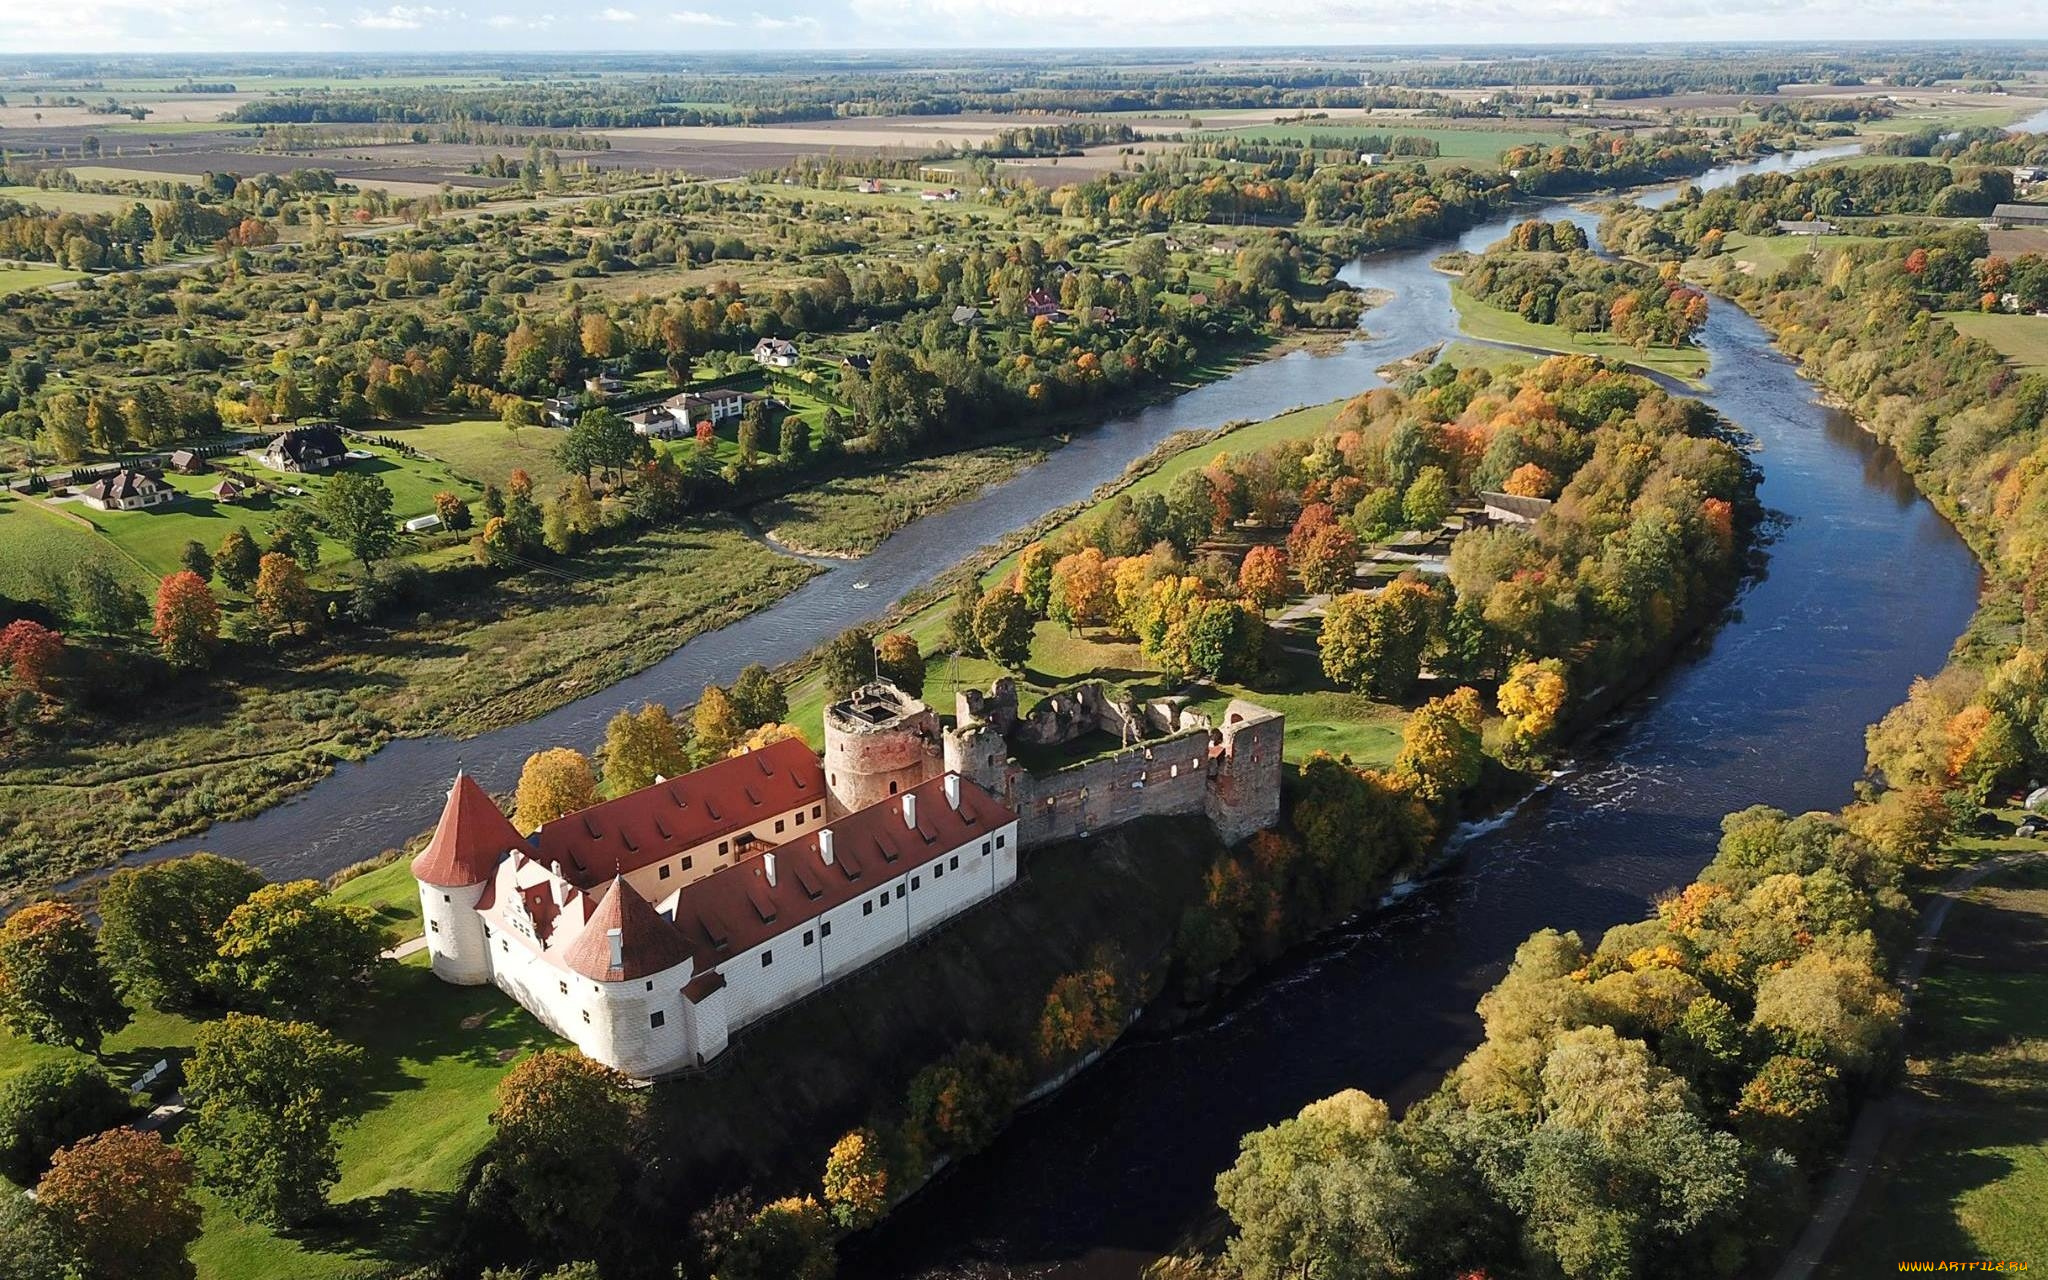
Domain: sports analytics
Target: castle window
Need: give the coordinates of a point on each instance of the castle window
(434, 925)
(810, 936)
(656, 1018)
(938, 871)
(954, 862)
(799, 819)
(650, 984)
(586, 1015)
(767, 958)
(724, 847)
(505, 944)
(817, 811)
(825, 929)
(565, 988)
(916, 882)
(984, 848)
(686, 862)
(867, 908)
(664, 871)
(779, 825)
(892, 788)
(1000, 841)
(900, 892)
(446, 898)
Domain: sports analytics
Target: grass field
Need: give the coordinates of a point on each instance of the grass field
(391, 895)
(2022, 340)
(69, 201)
(850, 515)
(1964, 1171)
(1455, 144)
(40, 539)
(483, 450)
(1489, 323)
(20, 277)
(1768, 255)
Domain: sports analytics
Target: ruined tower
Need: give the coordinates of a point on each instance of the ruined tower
(879, 742)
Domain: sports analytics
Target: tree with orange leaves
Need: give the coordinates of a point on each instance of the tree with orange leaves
(1531, 480)
(30, 651)
(1083, 592)
(187, 620)
(121, 1203)
(1263, 577)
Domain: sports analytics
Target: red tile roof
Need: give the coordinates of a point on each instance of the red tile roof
(658, 822)
(735, 909)
(648, 944)
(468, 841)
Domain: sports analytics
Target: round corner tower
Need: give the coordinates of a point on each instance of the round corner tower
(455, 933)
(879, 742)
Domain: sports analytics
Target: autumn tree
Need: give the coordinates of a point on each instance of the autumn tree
(1374, 642)
(237, 559)
(453, 510)
(1262, 578)
(900, 661)
(53, 987)
(958, 1104)
(187, 620)
(29, 653)
(196, 557)
(51, 1105)
(286, 949)
(759, 697)
(1327, 559)
(266, 1097)
(1427, 500)
(558, 1140)
(847, 661)
(357, 508)
(1531, 699)
(159, 925)
(1002, 627)
(640, 746)
(282, 597)
(1083, 589)
(717, 725)
(1083, 1012)
(1831, 1007)
(1530, 480)
(788, 1239)
(1441, 753)
(857, 1180)
(121, 1203)
(552, 783)
(1033, 579)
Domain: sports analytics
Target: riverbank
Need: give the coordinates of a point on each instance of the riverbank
(1489, 323)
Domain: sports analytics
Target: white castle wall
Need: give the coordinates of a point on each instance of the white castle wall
(455, 934)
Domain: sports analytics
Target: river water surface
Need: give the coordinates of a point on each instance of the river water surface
(1865, 588)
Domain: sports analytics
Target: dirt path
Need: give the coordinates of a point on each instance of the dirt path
(1845, 1185)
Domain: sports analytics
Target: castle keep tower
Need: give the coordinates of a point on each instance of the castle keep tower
(879, 742)
(452, 872)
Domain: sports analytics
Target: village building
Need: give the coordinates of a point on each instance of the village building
(679, 415)
(1040, 303)
(856, 363)
(966, 315)
(872, 187)
(651, 928)
(604, 385)
(1511, 508)
(305, 449)
(2008, 216)
(560, 411)
(1806, 227)
(775, 353)
(127, 490)
(187, 462)
(229, 490)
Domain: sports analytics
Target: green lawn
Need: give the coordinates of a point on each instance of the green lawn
(1769, 255)
(1964, 1171)
(39, 537)
(391, 895)
(1491, 324)
(71, 201)
(2022, 340)
(1455, 144)
(484, 451)
(20, 277)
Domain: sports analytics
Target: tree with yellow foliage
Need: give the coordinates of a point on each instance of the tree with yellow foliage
(1532, 698)
(857, 1179)
(1441, 753)
(553, 782)
(640, 746)
(718, 725)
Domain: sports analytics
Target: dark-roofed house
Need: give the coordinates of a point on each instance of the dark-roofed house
(127, 490)
(187, 463)
(1512, 508)
(2020, 215)
(303, 449)
(1812, 227)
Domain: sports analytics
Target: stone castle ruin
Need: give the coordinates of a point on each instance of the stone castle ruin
(1155, 757)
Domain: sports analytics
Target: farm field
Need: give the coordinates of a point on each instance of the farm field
(1491, 324)
(18, 277)
(64, 202)
(1769, 254)
(42, 539)
(1964, 1171)
(2022, 340)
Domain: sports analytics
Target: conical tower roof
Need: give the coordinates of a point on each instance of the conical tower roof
(468, 841)
(647, 942)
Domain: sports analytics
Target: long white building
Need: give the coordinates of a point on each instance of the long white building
(649, 929)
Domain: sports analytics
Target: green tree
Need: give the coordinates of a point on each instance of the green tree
(121, 1204)
(237, 559)
(847, 661)
(1374, 642)
(960, 623)
(159, 924)
(51, 1105)
(1034, 578)
(1428, 499)
(286, 949)
(958, 1104)
(759, 697)
(197, 558)
(640, 746)
(357, 509)
(30, 1245)
(1792, 1105)
(103, 600)
(266, 1097)
(53, 988)
(1441, 753)
(558, 1141)
(1002, 628)
(789, 1239)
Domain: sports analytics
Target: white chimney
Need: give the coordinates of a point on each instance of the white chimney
(618, 942)
(768, 867)
(953, 790)
(910, 810)
(558, 886)
(825, 845)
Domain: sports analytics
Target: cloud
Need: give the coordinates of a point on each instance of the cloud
(619, 15)
(400, 17)
(784, 24)
(514, 22)
(699, 18)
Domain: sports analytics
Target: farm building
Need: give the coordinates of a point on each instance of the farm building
(306, 449)
(187, 463)
(560, 411)
(422, 524)
(1815, 227)
(127, 490)
(1510, 508)
(229, 490)
(2007, 216)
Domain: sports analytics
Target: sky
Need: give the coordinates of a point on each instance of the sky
(187, 26)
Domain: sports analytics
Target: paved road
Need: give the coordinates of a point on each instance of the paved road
(1860, 1157)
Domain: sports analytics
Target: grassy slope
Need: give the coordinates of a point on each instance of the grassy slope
(2022, 340)
(19, 277)
(1490, 323)
(1964, 1174)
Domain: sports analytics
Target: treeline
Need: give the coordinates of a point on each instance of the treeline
(1324, 148)
(1543, 273)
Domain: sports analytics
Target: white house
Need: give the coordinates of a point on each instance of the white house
(127, 490)
(680, 413)
(776, 353)
(651, 928)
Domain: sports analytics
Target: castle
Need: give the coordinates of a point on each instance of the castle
(650, 928)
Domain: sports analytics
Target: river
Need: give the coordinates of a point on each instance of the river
(1866, 587)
